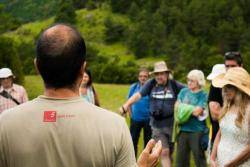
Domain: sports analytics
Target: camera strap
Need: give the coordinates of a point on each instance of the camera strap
(8, 96)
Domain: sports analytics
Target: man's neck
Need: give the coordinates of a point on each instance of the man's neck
(61, 93)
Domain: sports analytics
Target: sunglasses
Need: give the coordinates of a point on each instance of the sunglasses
(230, 55)
(6, 78)
(143, 76)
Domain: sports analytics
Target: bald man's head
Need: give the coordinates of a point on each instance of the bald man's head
(60, 55)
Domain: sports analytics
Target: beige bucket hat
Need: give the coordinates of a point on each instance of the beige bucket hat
(237, 77)
(160, 66)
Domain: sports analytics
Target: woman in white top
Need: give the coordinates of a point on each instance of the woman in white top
(232, 143)
(87, 90)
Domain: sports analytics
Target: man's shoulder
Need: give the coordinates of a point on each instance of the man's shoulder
(133, 85)
(19, 108)
(18, 87)
(151, 82)
(16, 113)
(104, 115)
(78, 106)
(36, 107)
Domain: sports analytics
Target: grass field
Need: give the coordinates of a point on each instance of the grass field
(111, 96)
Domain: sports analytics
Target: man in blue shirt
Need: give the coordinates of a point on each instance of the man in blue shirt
(140, 111)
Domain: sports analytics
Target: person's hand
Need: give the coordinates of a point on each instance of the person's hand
(213, 163)
(230, 165)
(197, 111)
(150, 155)
(123, 110)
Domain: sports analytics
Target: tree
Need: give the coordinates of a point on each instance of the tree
(66, 12)
(115, 30)
(7, 21)
(120, 6)
(134, 10)
(9, 57)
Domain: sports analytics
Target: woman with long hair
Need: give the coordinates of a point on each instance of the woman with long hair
(232, 143)
(87, 90)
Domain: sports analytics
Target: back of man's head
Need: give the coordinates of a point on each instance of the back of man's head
(60, 55)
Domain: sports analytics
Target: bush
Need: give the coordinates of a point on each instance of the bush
(115, 30)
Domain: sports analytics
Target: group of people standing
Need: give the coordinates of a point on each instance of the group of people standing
(176, 113)
(59, 128)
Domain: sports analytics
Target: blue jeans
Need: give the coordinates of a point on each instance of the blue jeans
(135, 130)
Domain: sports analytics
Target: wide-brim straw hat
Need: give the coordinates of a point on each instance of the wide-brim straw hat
(237, 77)
(160, 66)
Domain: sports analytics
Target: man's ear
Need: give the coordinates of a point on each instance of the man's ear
(83, 68)
(35, 64)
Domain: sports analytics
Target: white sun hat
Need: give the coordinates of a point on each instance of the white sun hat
(5, 73)
(217, 70)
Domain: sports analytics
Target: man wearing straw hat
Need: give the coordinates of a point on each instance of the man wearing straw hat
(11, 94)
(163, 94)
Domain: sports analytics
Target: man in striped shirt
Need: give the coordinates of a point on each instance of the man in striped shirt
(11, 94)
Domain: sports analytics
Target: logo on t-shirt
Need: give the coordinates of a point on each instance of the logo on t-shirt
(49, 116)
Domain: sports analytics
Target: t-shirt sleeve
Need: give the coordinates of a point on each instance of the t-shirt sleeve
(180, 95)
(215, 95)
(131, 90)
(203, 101)
(147, 87)
(126, 155)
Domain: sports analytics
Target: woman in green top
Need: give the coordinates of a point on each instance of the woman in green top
(191, 131)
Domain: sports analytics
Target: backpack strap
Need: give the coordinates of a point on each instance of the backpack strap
(174, 87)
(8, 96)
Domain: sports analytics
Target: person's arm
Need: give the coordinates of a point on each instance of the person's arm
(129, 111)
(130, 101)
(25, 96)
(131, 93)
(197, 111)
(214, 102)
(201, 106)
(214, 150)
(214, 108)
(150, 155)
(241, 158)
(145, 90)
